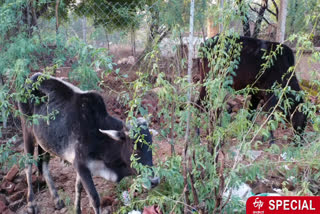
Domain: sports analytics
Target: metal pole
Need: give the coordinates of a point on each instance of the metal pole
(186, 142)
(190, 55)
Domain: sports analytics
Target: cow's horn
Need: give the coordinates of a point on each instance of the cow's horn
(153, 132)
(111, 133)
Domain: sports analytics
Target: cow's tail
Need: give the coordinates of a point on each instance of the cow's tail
(298, 118)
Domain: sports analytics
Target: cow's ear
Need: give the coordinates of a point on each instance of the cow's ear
(114, 134)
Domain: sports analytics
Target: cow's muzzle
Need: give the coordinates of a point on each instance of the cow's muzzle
(154, 181)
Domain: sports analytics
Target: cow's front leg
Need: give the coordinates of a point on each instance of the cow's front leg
(29, 149)
(78, 189)
(59, 204)
(87, 182)
(31, 206)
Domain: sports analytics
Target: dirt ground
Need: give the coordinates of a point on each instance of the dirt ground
(64, 175)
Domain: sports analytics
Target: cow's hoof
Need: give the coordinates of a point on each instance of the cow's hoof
(271, 142)
(32, 208)
(59, 204)
(78, 211)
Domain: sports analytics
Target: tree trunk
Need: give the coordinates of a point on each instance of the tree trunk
(155, 36)
(281, 28)
(257, 27)
(57, 16)
(245, 19)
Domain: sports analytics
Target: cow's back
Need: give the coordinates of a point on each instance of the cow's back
(54, 124)
(252, 70)
(71, 116)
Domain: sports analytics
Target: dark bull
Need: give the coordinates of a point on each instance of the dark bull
(248, 72)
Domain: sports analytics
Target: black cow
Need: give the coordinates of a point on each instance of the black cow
(82, 133)
(249, 70)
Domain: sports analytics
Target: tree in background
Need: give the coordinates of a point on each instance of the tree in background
(255, 12)
(301, 16)
(281, 27)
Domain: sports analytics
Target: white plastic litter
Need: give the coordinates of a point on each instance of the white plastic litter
(134, 212)
(243, 191)
(126, 198)
(269, 194)
(254, 154)
(284, 156)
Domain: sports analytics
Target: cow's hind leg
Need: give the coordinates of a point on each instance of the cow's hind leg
(271, 102)
(254, 102)
(87, 182)
(47, 176)
(29, 149)
(78, 189)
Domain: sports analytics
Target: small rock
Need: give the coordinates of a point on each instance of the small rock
(18, 180)
(115, 202)
(7, 186)
(238, 99)
(233, 114)
(106, 201)
(2, 207)
(12, 173)
(3, 199)
(289, 185)
(20, 147)
(131, 60)
(117, 111)
(134, 212)
(20, 186)
(261, 188)
(64, 210)
(154, 209)
(37, 180)
(8, 211)
(236, 108)
(233, 102)
(34, 170)
(106, 210)
(18, 195)
(16, 205)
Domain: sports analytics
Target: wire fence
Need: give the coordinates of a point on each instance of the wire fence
(121, 27)
(124, 27)
(103, 24)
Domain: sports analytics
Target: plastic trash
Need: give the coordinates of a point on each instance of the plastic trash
(244, 191)
(268, 194)
(134, 212)
(126, 198)
(254, 154)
